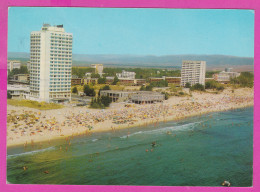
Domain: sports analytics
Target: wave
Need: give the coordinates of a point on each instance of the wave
(93, 140)
(165, 129)
(30, 152)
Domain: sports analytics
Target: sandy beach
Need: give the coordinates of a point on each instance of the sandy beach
(27, 126)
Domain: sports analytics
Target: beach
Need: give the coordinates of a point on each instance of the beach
(27, 126)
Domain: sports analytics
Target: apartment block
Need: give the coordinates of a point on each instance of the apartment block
(13, 64)
(193, 72)
(50, 64)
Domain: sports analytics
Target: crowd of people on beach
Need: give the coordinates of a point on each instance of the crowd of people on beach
(32, 123)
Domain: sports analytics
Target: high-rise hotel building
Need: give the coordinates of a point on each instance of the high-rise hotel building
(193, 72)
(50, 64)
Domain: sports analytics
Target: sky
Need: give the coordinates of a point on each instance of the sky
(138, 31)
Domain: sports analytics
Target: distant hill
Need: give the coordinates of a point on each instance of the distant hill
(166, 61)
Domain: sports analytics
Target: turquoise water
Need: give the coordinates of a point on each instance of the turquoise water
(199, 151)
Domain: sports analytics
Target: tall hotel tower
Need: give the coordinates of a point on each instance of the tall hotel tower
(193, 72)
(50, 64)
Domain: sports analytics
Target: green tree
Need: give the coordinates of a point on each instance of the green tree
(9, 96)
(187, 85)
(106, 87)
(198, 87)
(75, 90)
(105, 100)
(23, 70)
(166, 95)
(81, 71)
(149, 88)
(161, 83)
(142, 88)
(246, 79)
(214, 85)
(95, 75)
(101, 80)
(116, 80)
(89, 91)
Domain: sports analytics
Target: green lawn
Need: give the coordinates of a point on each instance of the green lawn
(34, 104)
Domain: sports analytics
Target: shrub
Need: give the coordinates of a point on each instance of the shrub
(89, 91)
(187, 85)
(106, 87)
(100, 102)
(101, 80)
(74, 90)
(9, 96)
(198, 87)
(116, 80)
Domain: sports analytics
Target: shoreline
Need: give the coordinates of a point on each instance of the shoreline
(173, 109)
(58, 139)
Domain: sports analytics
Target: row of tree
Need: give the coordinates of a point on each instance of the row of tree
(100, 102)
(246, 79)
(23, 70)
(208, 85)
(161, 83)
(97, 101)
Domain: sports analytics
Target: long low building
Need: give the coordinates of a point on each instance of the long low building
(145, 97)
(224, 77)
(173, 80)
(138, 97)
(117, 95)
(19, 91)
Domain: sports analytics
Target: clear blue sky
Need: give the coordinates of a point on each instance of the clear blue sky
(140, 31)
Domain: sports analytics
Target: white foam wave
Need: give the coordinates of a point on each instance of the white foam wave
(164, 130)
(30, 152)
(94, 140)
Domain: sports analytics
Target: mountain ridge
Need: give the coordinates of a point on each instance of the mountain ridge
(147, 60)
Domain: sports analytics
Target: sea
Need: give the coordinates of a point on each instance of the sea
(197, 151)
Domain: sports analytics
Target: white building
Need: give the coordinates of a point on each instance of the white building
(98, 68)
(50, 64)
(126, 74)
(18, 91)
(13, 64)
(225, 76)
(28, 65)
(193, 72)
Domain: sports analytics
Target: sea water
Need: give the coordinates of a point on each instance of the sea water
(198, 151)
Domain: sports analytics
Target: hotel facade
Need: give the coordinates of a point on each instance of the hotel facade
(50, 64)
(193, 72)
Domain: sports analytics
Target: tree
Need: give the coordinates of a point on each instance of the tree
(95, 75)
(187, 85)
(9, 96)
(161, 83)
(214, 85)
(89, 91)
(166, 95)
(246, 79)
(74, 90)
(105, 100)
(23, 70)
(81, 71)
(149, 88)
(100, 102)
(115, 80)
(101, 80)
(106, 87)
(142, 88)
(198, 87)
